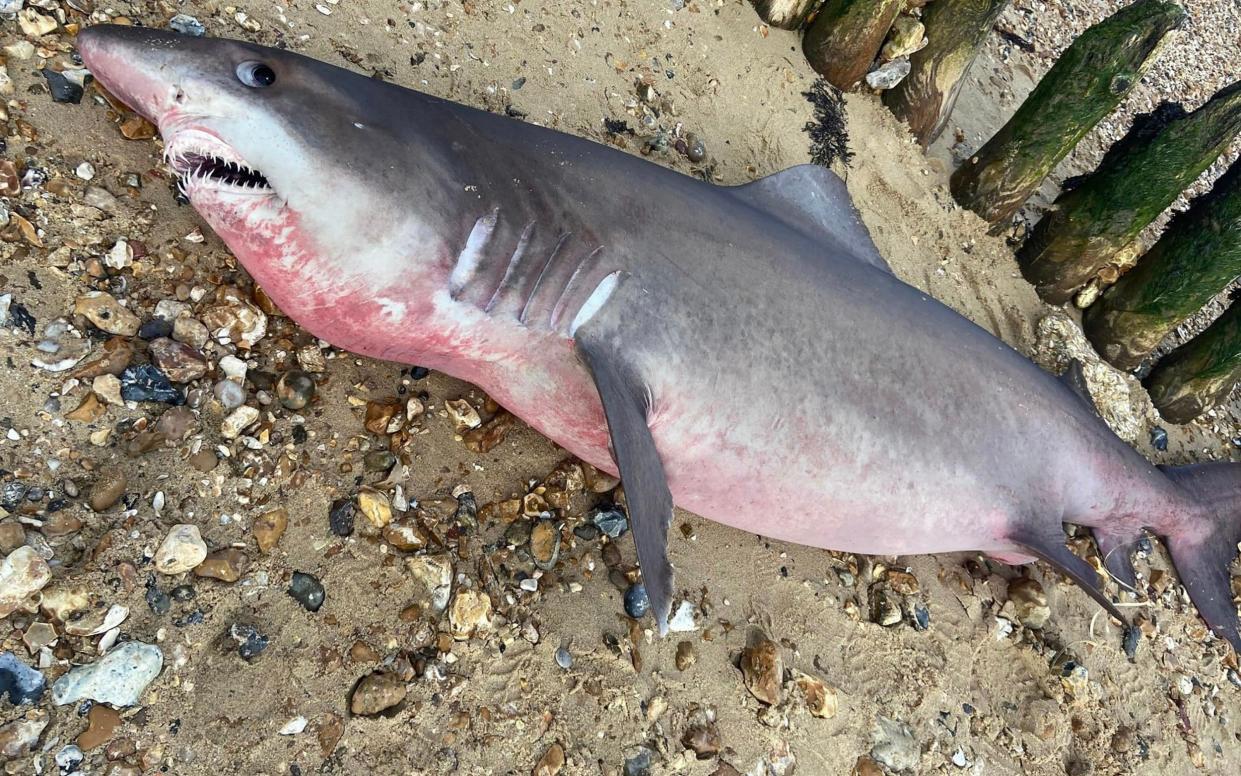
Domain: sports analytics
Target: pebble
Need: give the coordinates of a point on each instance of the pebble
(378, 461)
(295, 389)
(376, 692)
(107, 489)
(885, 608)
(586, 532)
(68, 758)
(182, 549)
(341, 516)
(23, 573)
(19, 681)
(225, 565)
(101, 725)
(435, 573)
(906, 36)
(157, 600)
(894, 745)
(639, 764)
(375, 507)
(463, 414)
(294, 726)
(238, 421)
(685, 657)
(545, 543)
(1130, 640)
(187, 25)
(146, 382)
(637, 602)
(469, 614)
(307, 590)
(34, 23)
(762, 668)
(85, 171)
(230, 394)
(684, 619)
(551, 762)
(405, 535)
(269, 527)
(176, 423)
(38, 635)
(1030, 602)
(21, 735)
(703, 740)
(610, 519)
(97, 620)
(888, 75)
(108, 388)
(822, 701)
(379, 415)
(120, 257)
(236, 321)
(107, 314)
(1159, 438)
(118, 678)
(179, 361)
(250, 642)
(190, 331)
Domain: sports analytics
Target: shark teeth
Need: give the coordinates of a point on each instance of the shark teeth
(195, 167)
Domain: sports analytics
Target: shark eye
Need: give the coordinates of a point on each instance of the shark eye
(255, 74)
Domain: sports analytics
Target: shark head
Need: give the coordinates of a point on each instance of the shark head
(305, 170)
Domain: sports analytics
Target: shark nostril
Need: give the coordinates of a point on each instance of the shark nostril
(179, 97)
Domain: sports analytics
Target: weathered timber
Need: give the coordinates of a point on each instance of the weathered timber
(1201, 373)
(956, 30)
(1087, 82)
(1091, 224)
(844, 38)
(785, 14)
(1196, 258)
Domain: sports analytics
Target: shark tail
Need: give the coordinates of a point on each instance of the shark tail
(1204, 546)
(1202, 540)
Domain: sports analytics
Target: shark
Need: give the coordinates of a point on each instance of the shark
(743, 352)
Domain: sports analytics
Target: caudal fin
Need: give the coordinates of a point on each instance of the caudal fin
(1204, 547)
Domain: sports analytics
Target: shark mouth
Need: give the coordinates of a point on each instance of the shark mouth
(203, 162)
(224, 172)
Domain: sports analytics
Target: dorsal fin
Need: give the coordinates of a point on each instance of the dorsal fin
(814, 199)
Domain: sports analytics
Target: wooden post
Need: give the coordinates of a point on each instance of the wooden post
(785, 14)
(1196, 258)
(842, 42)
(1089, 79)
(1091, 224)
(1201, 373)
(955, 31)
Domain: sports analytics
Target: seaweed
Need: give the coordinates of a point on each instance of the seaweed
(828, 130)
(1144, 128)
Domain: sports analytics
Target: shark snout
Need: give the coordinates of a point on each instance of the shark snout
(136, 64)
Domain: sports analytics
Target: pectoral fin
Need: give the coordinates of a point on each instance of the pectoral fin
(625, 404)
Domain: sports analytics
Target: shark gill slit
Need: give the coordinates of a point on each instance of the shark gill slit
(512, 275)
(471, 256)
(534, 290)
(564, 298)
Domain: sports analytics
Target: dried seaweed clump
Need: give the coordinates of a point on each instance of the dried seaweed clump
(828, 130)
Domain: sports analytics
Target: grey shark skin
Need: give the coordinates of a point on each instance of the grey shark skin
(743, 351)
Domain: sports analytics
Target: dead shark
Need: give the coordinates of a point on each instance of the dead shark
(743, 352)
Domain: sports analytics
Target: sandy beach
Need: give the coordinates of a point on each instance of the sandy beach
(946, 664)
